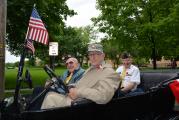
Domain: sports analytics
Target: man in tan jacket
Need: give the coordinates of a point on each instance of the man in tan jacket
(98, 83)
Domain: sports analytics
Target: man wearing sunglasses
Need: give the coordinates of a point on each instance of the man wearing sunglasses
(73, 73)
(98, 83)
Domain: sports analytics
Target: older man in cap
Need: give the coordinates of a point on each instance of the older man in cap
(129, 76)
(73, 73)
(98, 83)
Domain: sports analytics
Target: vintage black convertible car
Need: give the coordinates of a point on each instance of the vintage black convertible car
(156, 103)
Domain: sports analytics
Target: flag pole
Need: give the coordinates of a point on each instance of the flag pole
(20, 70)
(28, 44)
(19, 75)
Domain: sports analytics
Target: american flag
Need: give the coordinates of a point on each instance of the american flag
(36, 30)
(30, 45)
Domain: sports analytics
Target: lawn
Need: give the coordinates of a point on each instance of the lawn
(38, 76)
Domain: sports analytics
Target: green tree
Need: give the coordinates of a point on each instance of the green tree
(142, 27)
(52, 12)
(74, 42)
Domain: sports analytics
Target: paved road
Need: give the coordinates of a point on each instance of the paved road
(12, 90)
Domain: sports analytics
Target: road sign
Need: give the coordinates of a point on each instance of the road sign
(53, 48)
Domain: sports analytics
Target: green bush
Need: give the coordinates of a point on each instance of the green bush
(10, 65)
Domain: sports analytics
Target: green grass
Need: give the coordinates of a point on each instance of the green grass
(38, 75)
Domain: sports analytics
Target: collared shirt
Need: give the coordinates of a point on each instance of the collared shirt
(132, 75)
(77, 75)
(100, 66)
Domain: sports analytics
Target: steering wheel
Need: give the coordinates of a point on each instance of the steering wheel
(57, 80)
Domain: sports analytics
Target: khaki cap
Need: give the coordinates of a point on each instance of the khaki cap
(95, 47)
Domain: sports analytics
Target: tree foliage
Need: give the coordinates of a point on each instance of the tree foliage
(52, 12)
(146, 28)
(74, 42)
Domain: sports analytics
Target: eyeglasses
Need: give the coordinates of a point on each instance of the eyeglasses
(94, 53)
(71, 62)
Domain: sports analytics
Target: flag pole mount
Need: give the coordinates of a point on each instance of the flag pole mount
(34, 5)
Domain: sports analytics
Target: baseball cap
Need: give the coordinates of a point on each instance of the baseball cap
(95, 47)
(125, 55)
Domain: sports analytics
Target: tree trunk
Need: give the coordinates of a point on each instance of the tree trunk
(81, 61)
(2, 45)
(154, 58)
(152, 39)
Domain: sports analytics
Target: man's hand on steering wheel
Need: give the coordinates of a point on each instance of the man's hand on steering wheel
(55, 79)
(73, 93)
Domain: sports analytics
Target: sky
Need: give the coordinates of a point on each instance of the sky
(85, 11)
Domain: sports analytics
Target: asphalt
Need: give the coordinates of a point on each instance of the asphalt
(13, 90)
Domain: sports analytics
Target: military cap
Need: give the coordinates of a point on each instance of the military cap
(125, 55)
(95, 47)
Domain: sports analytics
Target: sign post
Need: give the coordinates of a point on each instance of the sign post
(2, 45)
(53, 51)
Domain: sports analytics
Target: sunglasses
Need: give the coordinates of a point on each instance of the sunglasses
(67, 63)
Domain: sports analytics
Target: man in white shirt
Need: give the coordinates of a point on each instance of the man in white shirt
(129, 75)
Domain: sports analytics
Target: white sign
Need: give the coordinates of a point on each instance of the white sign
(53, 48)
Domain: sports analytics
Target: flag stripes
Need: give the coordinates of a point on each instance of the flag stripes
(30, 45)
(36, 31)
